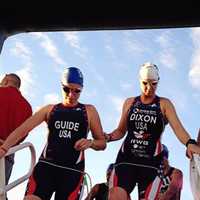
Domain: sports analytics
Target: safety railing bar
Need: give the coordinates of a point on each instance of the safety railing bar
(26, 176)
(17, 148)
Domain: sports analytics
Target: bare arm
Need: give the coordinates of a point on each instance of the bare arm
(27, 126)
(174, 121)
(175, 186)
(98, 143)
(120, 131)
(93, 192)
(177, 127)
(1, 141)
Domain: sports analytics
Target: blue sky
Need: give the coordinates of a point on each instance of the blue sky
(110, 62)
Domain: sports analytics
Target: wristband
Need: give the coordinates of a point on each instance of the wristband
(190, 141)
(4, 149)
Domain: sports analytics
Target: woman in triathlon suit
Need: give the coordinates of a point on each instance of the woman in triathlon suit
(61, 165)
(139, 159)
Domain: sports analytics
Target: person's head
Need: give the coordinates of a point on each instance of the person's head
(109, 170)
(149, 77)
(72, 84)
(165, 155)
(165, 151)
(11, 80)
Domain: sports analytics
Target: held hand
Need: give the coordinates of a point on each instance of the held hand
(191, 149)
(83, 144)
(2, 152)
(107, 137)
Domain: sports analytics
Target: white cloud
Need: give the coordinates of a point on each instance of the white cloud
(133, 46)
(90, 94)
(195, 33)
(22, 51)
(73, 39)
(49, 47)
(117, 102)
(166, 56)
(27, 83)
(164, 39)
(126, 86)
(51, 98)
(110, 50)
(97, 75)
(197, 97)
(167, 59)
(194, 73)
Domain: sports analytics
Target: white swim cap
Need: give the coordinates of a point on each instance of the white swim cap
(149, 71)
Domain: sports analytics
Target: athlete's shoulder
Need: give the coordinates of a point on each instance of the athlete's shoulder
(129, 100)
(178, 172)
(165, 101)
(90, 108)
(163, 98)
(47, 108)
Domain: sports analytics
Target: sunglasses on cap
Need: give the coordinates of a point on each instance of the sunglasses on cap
(153, 83)
(68, 90)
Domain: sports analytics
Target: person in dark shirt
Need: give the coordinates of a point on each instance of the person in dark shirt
(172, 181)
(60, 168)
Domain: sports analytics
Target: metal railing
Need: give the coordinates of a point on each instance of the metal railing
(5, 188)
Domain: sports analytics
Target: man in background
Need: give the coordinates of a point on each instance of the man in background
(14, 110)
(172, 181)
(100, 190)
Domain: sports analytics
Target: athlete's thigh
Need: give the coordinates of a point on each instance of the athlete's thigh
(41, 183)
(69, 184)
(123, 176)
(32, 197)
(149, 184)
(117, 193)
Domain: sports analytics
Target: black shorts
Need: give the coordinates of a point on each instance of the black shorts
(47, 179)
(127, 176)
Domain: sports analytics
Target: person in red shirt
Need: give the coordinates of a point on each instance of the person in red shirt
(14, 110)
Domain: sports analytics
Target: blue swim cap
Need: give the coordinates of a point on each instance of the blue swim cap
(72, 75)
(165, 151)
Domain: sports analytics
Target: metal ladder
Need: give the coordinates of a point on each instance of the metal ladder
(5, 188)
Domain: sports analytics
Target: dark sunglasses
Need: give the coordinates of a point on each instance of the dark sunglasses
(68, 90)
(154, 83)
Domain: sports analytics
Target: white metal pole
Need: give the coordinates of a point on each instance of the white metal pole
(2, 179)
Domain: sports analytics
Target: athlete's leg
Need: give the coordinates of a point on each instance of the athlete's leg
(117, 193)
(149, 184)
(41, 183)
(32, 197)
(9, 162)
(122, 181)
(68, 185)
